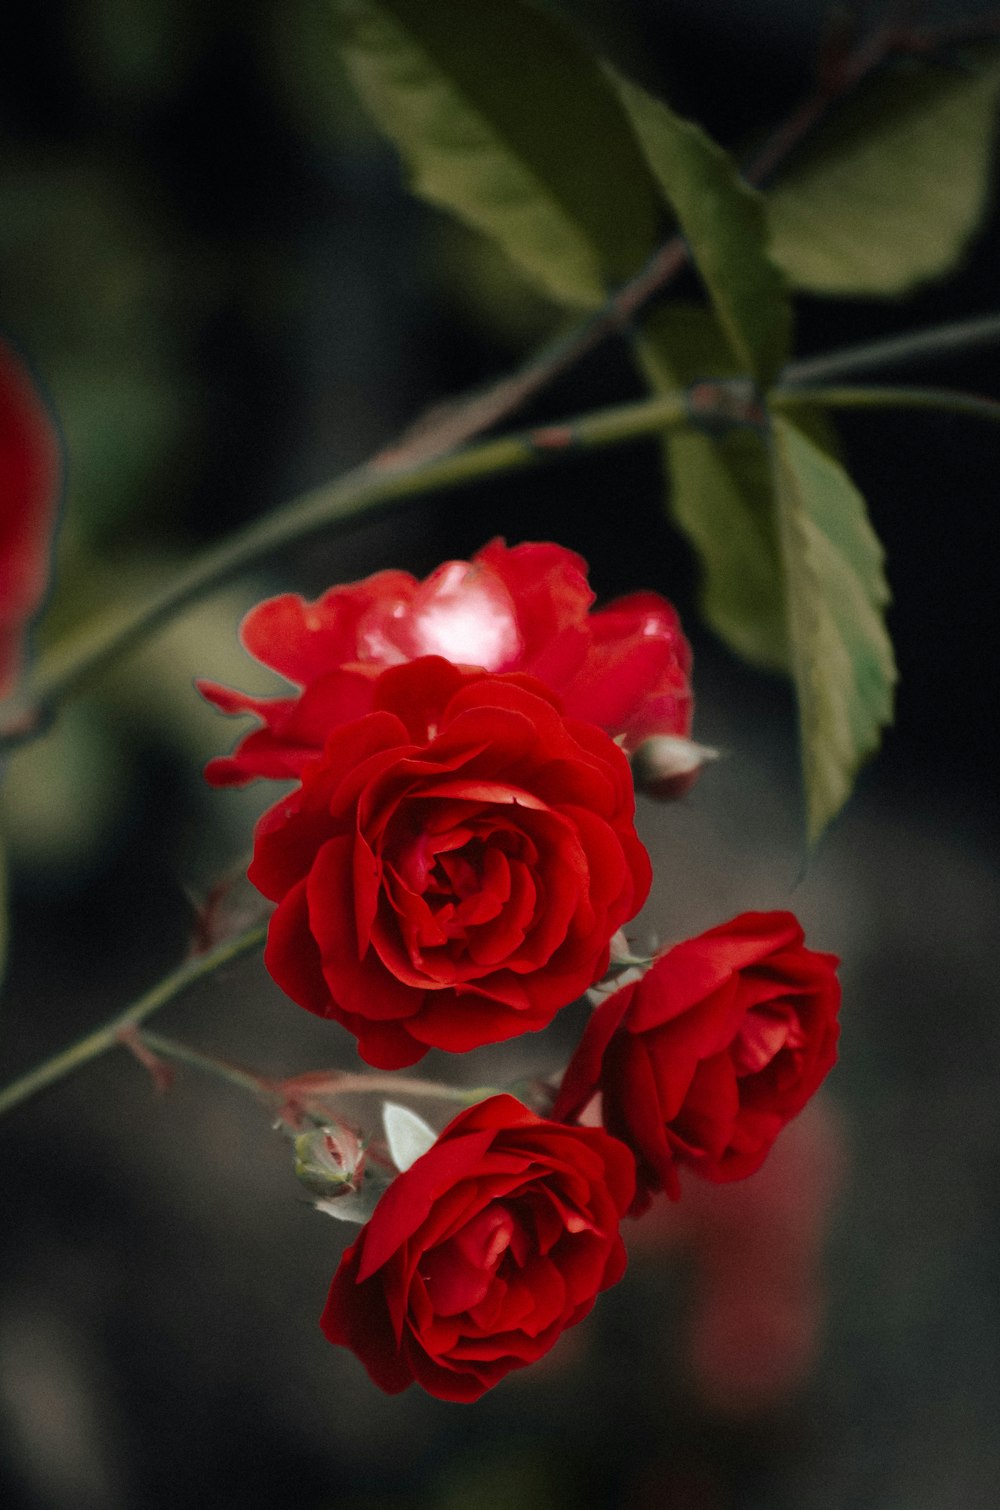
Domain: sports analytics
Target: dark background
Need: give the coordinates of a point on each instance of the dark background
(212, 263)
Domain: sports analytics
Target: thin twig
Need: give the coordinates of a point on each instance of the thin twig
(109, 1036)
(459, 421)
(895, 351)
(941, 400)
(181, 1053)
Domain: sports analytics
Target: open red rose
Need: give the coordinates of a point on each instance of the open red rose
(483, 1252)
(703, 1060)
(29, 489)
(453, 866)
(525, 609)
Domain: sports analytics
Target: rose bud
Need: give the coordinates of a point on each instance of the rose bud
(667, 766)
(329, 1161)
(703, 1060)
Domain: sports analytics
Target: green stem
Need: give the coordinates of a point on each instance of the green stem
(944, 400)
(373, 489)
(338, 1082)
(347, 1084)
(896, 351)
(364, 491)
(182, 1053)
(109, 1036)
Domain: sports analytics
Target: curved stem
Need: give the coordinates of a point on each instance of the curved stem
(109, 1036)
(944, 400)
(169, 1048)
(347, 1084)
(895, 351)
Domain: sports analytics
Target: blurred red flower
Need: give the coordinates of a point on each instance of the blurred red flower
(29, 492)
(703, 1060)
(755, 1312)
(453, 866)
(483, 1252)
(525, 608)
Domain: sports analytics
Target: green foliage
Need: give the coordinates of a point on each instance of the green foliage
(507, 120)
(836, 592)
(725, 225)
(792, 571)
(721, 493)
(890, 190)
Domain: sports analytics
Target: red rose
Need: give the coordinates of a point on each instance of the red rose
(453, 866)
(483, 1252)
(29, 487)
(704, 1060)
(524, 609)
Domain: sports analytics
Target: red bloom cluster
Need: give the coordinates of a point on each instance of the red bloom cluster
(449, 871)
(452, 868)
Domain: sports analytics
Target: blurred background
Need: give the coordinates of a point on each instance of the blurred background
(211, 259)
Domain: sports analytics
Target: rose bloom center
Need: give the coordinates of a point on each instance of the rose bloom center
(465, 882)
(458, 1273)
(766, 1032)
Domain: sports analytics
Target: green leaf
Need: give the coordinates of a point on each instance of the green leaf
(503, 117)
(792, 571)
(721, 493)
(890, 191)
(842, 658)
(724, 222)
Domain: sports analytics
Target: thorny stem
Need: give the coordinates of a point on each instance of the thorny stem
(366, 490)
(122, 1030)
(314, 1087)
(841, 69)
(110, 1035)
(169, 1048)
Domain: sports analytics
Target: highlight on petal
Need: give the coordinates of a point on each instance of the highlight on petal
(464, 613)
